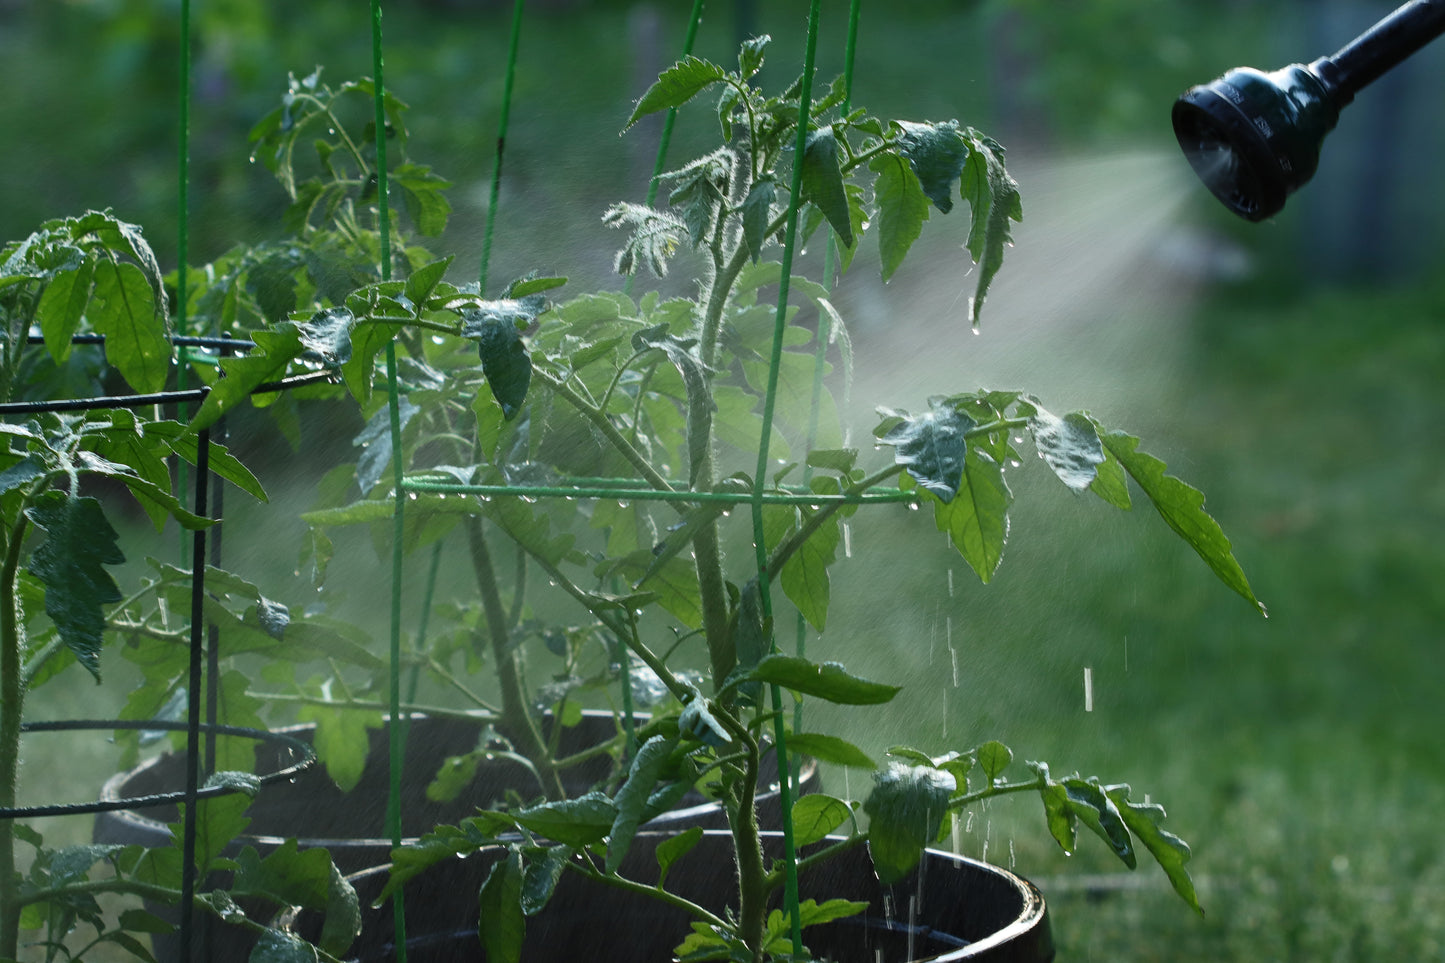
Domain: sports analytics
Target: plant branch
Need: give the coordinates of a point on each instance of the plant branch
(12, 696)
(655, 892)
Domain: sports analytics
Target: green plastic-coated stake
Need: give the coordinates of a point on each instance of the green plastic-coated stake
(790, 238)
(667, 125)
(501, 143)
(824, 337)
(397, 744)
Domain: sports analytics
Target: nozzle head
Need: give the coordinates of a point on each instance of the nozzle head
(1254, 138)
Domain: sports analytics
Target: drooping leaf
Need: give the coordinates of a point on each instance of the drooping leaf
(937, 153)
(79, 543)
(542, 868)
(341, 741)
(654, 238)
(505, 361)
(502, 925)
(931, 446)
(829, 681)
(1182, 508)
(631, 799)
(902, 209)
(822, 184)
(62, 306)
(1069, 445)
(702, 186)
(977, 519)
(1088, 801)
(422, 192)
(993, 199)
(804, 577)
(1169, 850)
(677, 85)
(905, 811)
(757, 212)
(125, 310)
(375, 442)
(278, 946)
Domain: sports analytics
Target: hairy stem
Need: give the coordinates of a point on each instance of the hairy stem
(516, 716)
(12, 696)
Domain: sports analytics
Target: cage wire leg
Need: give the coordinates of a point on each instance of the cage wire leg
(820, 358)
(790, 238)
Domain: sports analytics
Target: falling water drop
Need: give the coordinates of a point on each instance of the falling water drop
(950, 583)
(847, 540)
(1012, 859)
(1126, 655)
(968, 826)
(953, 657)
(1088, 689)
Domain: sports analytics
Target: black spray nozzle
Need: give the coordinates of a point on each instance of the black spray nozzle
(1254, 138)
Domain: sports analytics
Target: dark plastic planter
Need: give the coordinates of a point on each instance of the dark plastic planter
(952, 908)
(351, 825)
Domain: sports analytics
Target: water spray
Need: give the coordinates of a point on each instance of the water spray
(1254, 138)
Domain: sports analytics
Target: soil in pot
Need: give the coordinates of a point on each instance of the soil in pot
(950, 909)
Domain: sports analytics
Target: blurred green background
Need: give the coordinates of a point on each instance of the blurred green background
(1291, 370)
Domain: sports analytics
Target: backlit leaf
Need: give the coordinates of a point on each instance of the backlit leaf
(125, 310)
(902, 209)
(993, 198)
(1182, 507)
(676, 86)
(1169, 850)
(818, 814)
(632, 797)
(831, 749)
(977, 519)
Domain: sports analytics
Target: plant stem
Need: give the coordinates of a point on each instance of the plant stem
(12, 695)
(364, 705)
(516, 717)
(655, 892)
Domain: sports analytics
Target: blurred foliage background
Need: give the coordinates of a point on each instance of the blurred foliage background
(1291, 370)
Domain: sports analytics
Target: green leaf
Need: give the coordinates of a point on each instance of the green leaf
(677, 85)
(822, 184)
(1169, 850)
(125, 310)
(505, 361)
(275, 350)
(831, 749)
(293, 876)
(828, 681)
(79, 542)
(905, 811)
(902, 209)
(993, 758)
(278, 946)
(993, 198)
(502, 925)
(186, 443)
(673, 848)
(631, 799)
(1182, 507)
(423, 281)
(977, 520)
(421, 193)
(937, 153)
(931, 447)
(327, 336)
(818, 814)
(575, 822)
(62, 306)
(1069, 445)
(1088, 801)
(750, 56)
(534, 285)
(341, 741)
(219, 820)
(543, 867)
(1110, 482)
(757, 213)
(804, 577)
